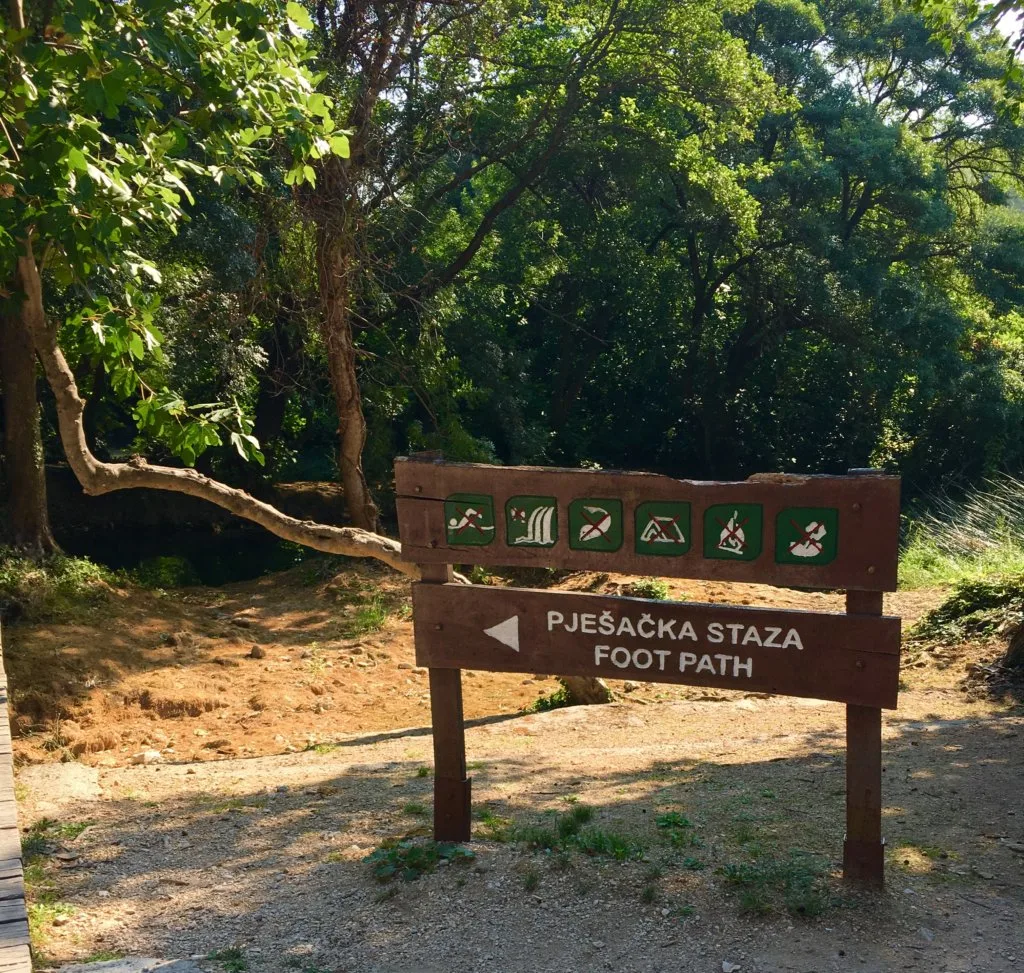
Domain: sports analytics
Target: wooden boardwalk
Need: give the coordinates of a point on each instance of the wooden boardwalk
(14, 945)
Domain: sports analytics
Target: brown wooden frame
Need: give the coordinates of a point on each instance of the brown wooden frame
(866, 644)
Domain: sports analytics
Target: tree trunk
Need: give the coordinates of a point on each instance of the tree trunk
(336, 266)
(24, 470)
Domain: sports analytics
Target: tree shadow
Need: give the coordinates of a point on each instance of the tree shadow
(280, 872)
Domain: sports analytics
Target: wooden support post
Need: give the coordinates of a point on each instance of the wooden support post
(452, 788)
(864, 847)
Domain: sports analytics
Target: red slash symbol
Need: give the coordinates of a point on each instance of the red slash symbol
(806, 537)
(732, 534)
(470, 518)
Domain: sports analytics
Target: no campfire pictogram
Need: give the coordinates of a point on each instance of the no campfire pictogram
(733, 531)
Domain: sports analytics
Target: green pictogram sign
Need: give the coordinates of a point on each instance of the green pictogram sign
(595, 525)
(732, 531)
(806, 535)
(531, 521)
(469, 519)
(663, 527)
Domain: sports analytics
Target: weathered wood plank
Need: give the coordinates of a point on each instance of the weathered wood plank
(865, 530)
(15, 959)
(11, 911)
(847, 658)
(14, 933)
(12, 886)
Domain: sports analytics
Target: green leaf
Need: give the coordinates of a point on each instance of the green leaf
(298, 16)
(339, 146)
(76, 159)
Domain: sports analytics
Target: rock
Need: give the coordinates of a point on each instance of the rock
(147, 757)
(926, 934)
(728, 967)
(257, 652)
(242, 621)
(405, 665)
(629, 686)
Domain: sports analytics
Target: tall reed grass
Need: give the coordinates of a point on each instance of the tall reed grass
(977, 537)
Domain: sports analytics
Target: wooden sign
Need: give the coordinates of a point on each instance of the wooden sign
(847, 658)
(812, 531)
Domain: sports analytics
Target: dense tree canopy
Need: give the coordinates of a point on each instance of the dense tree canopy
(690, 237)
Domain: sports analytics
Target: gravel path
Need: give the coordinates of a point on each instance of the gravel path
(263, 857)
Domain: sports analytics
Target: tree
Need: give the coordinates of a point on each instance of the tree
(108, 110)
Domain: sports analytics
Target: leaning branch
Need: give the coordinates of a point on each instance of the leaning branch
(97, 477)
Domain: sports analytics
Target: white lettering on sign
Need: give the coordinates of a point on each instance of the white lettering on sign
(717, 665)
(646, 627)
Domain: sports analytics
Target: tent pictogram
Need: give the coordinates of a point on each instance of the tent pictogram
(662, 527)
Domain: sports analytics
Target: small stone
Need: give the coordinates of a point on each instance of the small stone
(257, 652)
(728, 967)
(405, 665)
(61, 920)
(103, 894)
(191, 770)
(147, 757)
(926, 934)
(630, 687)
(242, 622)
(665, 912)
(282, 788)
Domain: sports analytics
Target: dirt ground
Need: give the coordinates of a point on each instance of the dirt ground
(174, 671)
(280, 774)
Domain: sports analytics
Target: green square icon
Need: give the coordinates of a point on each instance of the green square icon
(531, 521)
(662, 527)
(732, 531)
(806, 535)
(469, 519)
(595, 525)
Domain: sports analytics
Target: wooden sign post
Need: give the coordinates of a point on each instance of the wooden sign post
(838, 532)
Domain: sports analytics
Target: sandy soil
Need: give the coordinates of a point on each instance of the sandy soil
(175, 671)
(260, 859)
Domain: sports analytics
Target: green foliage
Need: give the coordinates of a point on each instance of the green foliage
(410, 859)
(556, 699)
(110, 112)
(54, 588)
(371, 617)
(975, 610)
(165, 572)
(679, 830)
(232, 958)
(798, 882)
(567, 833)
(656, 588)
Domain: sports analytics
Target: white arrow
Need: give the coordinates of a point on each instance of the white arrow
(506, 632)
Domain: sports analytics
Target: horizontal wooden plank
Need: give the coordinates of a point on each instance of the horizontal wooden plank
(15, 959)
(846, 658)
(753, 530)
(11, 911)
(14, 933)
(12, 887)
(10, 843)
